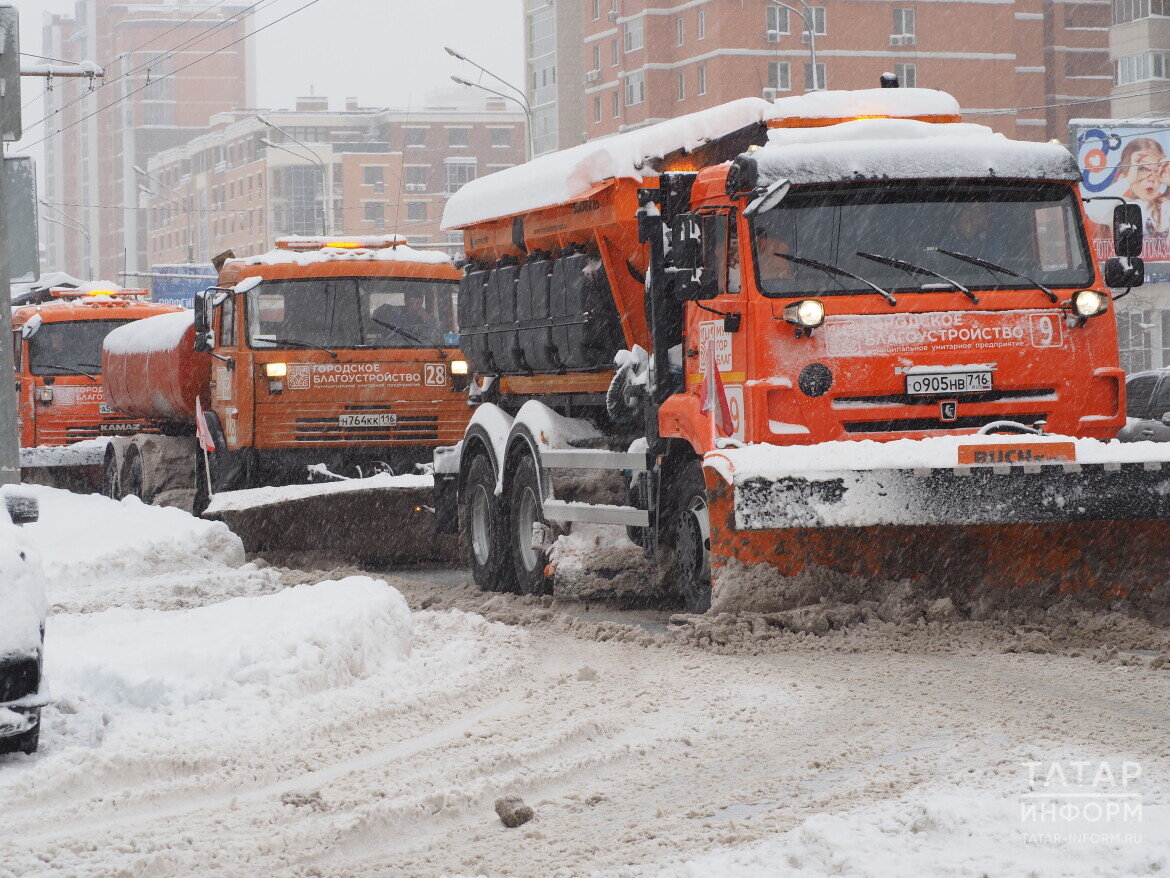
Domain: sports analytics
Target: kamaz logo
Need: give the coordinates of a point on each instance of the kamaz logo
(119, 428)
(587, 205)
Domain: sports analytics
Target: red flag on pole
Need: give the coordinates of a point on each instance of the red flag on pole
(202, 434)
(713, 397)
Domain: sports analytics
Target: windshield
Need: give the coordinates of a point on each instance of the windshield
(72, 348)
(362, 312)
(1033, 229)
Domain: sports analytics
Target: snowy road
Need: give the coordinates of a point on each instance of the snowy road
(334, 733)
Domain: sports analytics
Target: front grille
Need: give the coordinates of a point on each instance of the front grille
(18, 679)
(915, 425)
(895, 399)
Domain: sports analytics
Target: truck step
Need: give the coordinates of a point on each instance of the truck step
(596, 513)
(590, 458)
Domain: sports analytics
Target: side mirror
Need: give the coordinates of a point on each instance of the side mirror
(30, 327)
(1127, 230)
(771, 196)
(204, 335)
(1124, 272)
(686, 242)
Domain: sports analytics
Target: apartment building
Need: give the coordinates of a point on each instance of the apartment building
(554, 69)
(648, 60)
(258, 175)
(169, 67)
(1139, 46)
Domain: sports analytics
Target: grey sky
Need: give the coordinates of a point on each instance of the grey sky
(384, 52)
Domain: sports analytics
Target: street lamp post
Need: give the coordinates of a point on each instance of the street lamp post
(809, 20)
(73, 225)
(326, 195)
(522, 100)
(184, 202)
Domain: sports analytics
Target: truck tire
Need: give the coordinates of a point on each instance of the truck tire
(133, 475)
(688, 533)
(525, 508)
(112, 474)
(483, 524)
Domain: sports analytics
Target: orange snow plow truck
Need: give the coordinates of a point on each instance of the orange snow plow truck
(326, 358)
(64, 414)
(841, 331)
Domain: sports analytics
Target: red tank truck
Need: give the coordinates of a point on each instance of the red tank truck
(62, 402)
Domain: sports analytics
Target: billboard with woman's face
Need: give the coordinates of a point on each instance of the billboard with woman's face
(1131, 162)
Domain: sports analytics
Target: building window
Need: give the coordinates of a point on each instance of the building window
(907, 75)
(1142, 67)
(372, 174)
(1133, 340)
(416, 211)
(635, 89)
(458, 138)
(617, 105)
(632, 35)
(680, 31)
(701, 30)
(596, 9)
(814, 80)
(779, 76)
(375, 213)
(596, 108)
(614, 57)
(904, 23)
(414, 178)
(1133, 10)
(459, 171)
(544, 129)
(682, 86)
(416, 137)
(501, 136)
(542, 32)
(544, 82)
(702, 79)
(777, 20)
(596, 57)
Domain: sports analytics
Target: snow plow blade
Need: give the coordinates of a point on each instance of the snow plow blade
(1047, 514)
(76, 468)
(385, 525)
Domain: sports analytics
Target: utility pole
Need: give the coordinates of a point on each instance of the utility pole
(10, 130)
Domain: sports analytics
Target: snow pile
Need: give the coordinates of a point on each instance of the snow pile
(22, 590)
(88, 452)
(571, 173)
(85, 539)
(396, 253)
(250, 498)
(163, 332)
(844, 104)
(905, 149)
(305, 639)
(958, 833)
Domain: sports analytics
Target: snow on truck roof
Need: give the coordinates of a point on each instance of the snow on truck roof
(309, 251)
(563, 176)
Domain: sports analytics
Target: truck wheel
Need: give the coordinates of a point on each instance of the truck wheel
(525, 510)
(111, 475)
(132, 474)
(483, 526)
(690, 530)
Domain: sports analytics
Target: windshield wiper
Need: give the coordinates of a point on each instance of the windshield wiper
(70, 370)
(410, 335)
(297, 343)
(920, 270)
(995, 266)
(832, 270)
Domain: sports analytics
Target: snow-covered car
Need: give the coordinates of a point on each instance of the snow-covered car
(22, 628)
(1147, 407)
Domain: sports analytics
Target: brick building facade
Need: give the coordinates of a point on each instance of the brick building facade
(648, 60)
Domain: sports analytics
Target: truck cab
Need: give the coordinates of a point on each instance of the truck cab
(57, 349)
(342, 352)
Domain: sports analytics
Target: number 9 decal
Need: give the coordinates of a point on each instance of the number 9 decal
(735, 405)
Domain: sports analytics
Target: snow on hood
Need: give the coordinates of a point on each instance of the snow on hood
(569, 173)
(397, 253)
(905, 149)
(163, 332)
(22, 591)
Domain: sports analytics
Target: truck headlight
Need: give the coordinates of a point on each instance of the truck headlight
(276, 370)
(45, 395)
(806, 314)
(1089, 303)
(459, 367)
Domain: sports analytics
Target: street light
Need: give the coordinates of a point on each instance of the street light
(326, 196)
(531, 150)
(183, 202)
(809, 20)
(74, 225)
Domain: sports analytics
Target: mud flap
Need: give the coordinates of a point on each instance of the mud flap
(1048, 529)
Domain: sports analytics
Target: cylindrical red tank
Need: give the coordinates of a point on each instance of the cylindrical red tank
(150, 368)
